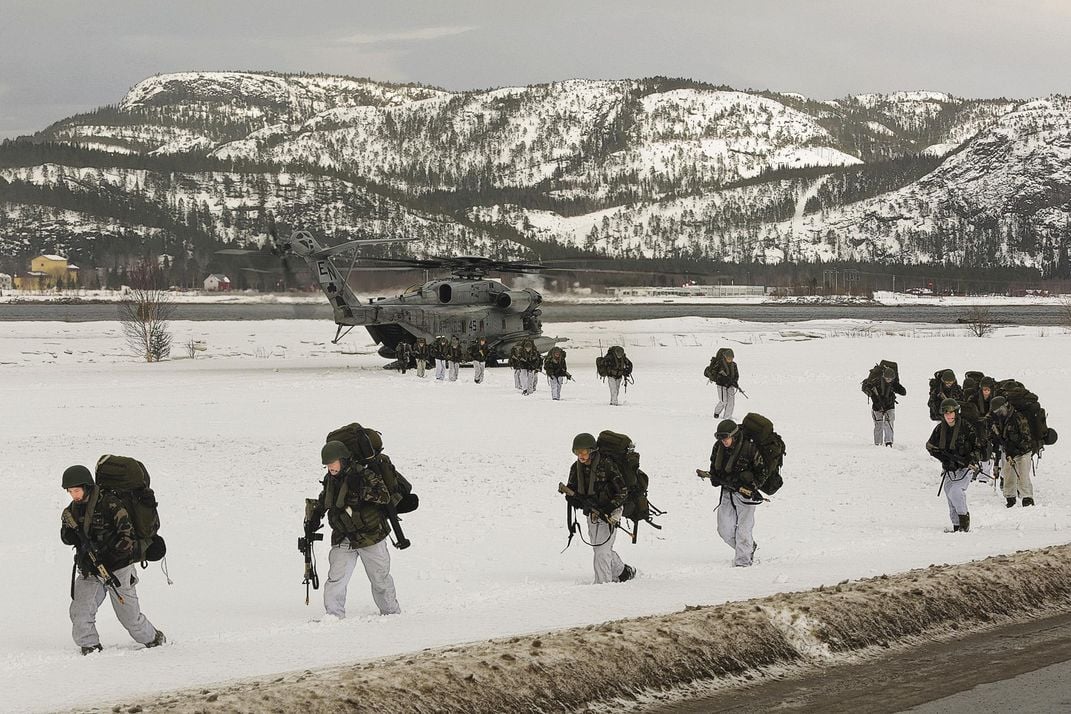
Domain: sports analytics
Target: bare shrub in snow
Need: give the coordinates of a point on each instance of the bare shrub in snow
(979, 320)
(145, 313)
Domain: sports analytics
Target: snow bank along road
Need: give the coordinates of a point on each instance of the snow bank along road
(232, 441)
(638, 660)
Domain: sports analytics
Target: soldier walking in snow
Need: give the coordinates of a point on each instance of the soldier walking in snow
(404, 354)
(515, 364)
(479, 353)
(882, 393)
(99, 527)
(438, 351)
(531, 362)
(616, 367)
(454, 355)
(353, 498)
(946, 387)
(1011, 430)
(954, 443)
(727, 377)
(557, 371)
(737, 466)
(422, 354)
(600, 492)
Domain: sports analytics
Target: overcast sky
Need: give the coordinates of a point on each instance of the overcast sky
(59, 57)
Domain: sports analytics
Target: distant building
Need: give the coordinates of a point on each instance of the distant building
(217, 282)
(6, 282)
(46, 272)
(691, 291)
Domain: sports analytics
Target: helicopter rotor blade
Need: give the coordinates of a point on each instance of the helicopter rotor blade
(356, 244)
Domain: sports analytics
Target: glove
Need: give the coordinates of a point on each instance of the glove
(614, 519)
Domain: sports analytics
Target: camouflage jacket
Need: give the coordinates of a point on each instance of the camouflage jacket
(530, 359)
(601, 481)
(955, 446)
(439, 347)
(515, 357)
(953, 392)
(555, 368)
(1012, 433)
(110, 531)
(354, 503)
(617, 366)
(738, 466)
(422, 351)
(453, 353)
(727, 374)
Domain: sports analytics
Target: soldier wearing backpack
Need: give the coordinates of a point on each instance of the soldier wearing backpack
(737, 466)
(943, 386)
(600, 492)
(353, 498)
(478, 353)
(107, 550)
(727, 377)
(422, 353)
(454, 355)
(404, 353)
(882, 392)
(557, 371)
(1011, 431)
(438, 351)
(616, 367)
(515, 364)
(955, 444)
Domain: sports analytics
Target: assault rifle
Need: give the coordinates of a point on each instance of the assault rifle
(587, 504)
(400, 541)
(751, 493)
(305, 544)
(86, 547)
(737, 385)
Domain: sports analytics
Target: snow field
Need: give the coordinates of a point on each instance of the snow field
(232, 442)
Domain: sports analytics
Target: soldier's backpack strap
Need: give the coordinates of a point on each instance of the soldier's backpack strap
(90, 507)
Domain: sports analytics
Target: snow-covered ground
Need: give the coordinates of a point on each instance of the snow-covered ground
(232, 442)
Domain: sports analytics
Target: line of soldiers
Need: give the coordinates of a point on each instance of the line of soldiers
(445, 355)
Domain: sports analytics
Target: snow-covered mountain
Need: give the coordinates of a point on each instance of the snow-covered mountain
(652, 167)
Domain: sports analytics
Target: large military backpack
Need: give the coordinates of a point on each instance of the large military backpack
(128, 480)
(877, 373)
(771, 447)
(620, 449)
(366, 445)
(1026, 403)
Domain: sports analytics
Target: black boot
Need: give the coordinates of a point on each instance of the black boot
(627, 574)
(964, 523)
(158, 640)
(90, 650)
(1010, 503)
(1028, 501)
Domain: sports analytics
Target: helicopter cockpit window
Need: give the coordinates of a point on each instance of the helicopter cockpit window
(445, 293)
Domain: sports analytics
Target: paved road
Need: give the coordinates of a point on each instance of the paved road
(1022, 668)
(555, 312)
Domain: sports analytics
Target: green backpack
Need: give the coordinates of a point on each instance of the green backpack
(128, 480)
(366, 445)
(620, 449)
(771, 447)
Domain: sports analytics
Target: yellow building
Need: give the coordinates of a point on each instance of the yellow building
(46, 271)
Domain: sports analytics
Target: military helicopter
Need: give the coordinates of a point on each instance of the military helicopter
(468, 304)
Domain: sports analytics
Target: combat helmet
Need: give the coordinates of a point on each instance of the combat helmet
(584, 441)
(333, 451)
(77, 476)
(726, 427)
(949, 405)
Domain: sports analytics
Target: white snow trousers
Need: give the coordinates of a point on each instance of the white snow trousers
(608, 564)
(477, 370)
(89, 593)
(440, 368)
(453, 367)
(517, 378)
(1016, 473)
(376, 562)
(556, 387)
(956, 483)
(736, 521)
(529, 378)
(615, 387)
(883, 426)
(421, 365)
(726, 402)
